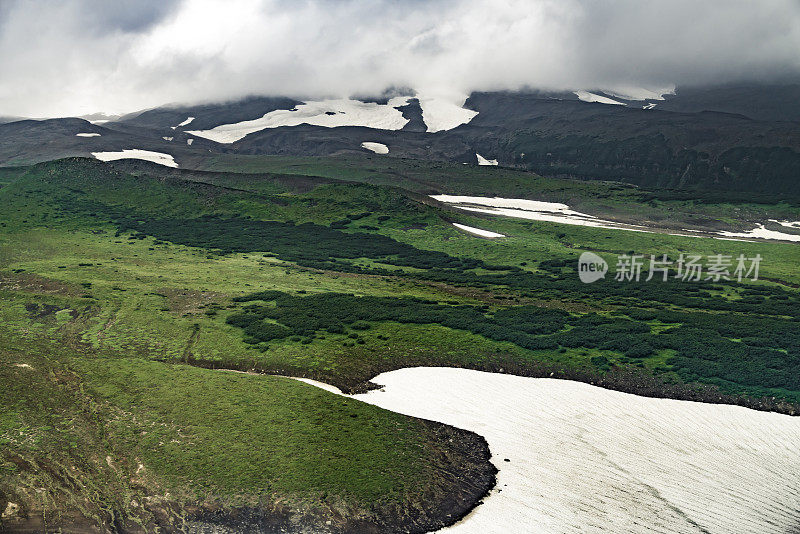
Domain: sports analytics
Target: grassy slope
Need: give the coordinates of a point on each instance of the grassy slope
(613, 200)
(141, 306)
(210, 436)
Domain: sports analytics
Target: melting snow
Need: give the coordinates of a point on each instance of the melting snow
(640, 93)
(560, 213)
(484, 161)
(477, 231)
(586, 96)
(759, 232)
(167, 138)
(787, 224)
(87, 134)
(378, 148)
(586, 459)
(155, 157)
(649, 106)
(328, 113)
(529, 209)
(321, 385)
(442, 114)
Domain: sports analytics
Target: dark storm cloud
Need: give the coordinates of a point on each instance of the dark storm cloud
(79, 56)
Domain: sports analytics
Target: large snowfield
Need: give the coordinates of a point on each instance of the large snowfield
(578, 458)
(328, 113)
(438, 113)
(442, 114)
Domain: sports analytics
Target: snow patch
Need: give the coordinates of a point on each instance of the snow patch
(484, 161)
(187, 121)
(477, 231)
(537, 210)
(629, 92)
(649, 106)
(189, 141)
(529, 209)
(787, 224)
(586, 96)
(378, 148)
(578, 458)
(155, 157)
(87, 134)
(327, 113)
(441, 113)
(321, 385)
(759, 232)
(167, 138)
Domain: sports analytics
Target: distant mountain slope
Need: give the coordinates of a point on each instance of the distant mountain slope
(32, 141)
(652, 147)
(769, 103)
(735, 138)
(208, 116)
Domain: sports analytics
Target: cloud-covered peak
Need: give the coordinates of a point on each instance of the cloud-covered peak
(76, 57)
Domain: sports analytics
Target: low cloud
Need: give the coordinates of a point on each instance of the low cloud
(77, 56)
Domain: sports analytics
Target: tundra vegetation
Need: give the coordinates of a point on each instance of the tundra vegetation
(129, 292)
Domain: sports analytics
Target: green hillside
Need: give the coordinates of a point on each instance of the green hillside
(130, 294)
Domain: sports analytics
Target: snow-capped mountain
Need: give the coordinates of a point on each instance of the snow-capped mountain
(677, 138)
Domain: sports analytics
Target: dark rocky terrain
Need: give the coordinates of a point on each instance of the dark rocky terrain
(736, 138)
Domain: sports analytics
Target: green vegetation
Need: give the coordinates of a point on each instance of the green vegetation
(128, 291)
(669, 208)
(765, 362)
(651, 160)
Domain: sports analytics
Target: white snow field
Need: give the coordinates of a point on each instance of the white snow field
(530, 209)
(328, 113)
(155, 157)
(87, 134)
(560, 213)
(630, 92)
(440, 113)
(477, 231)
(484, 161)
(787, 224)
(582, 459)
(586, 96)
(759, 232)
(378, 148)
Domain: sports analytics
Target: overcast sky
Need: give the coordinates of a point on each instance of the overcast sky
(71, 57)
